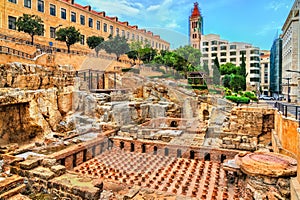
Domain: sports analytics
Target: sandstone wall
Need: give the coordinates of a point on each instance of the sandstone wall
(34, 100)
(248, 129)
(286, 132)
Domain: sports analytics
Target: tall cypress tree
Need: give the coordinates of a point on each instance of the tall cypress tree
(243, 72)
(216, 71)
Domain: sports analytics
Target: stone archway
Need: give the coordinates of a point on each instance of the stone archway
(205, 114)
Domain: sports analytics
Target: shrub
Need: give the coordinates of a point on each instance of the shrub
(238, 99)
(136, 71)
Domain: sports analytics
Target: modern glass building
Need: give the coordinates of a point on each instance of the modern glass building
(276, 68)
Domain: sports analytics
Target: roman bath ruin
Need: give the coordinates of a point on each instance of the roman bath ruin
(76, 133)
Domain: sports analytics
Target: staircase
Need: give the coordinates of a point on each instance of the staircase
(11, 186)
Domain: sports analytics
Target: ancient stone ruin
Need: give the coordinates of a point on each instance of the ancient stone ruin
(139, 138)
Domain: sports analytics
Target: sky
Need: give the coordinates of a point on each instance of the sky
(251, 21)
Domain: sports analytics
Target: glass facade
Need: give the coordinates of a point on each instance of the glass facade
(276, 68)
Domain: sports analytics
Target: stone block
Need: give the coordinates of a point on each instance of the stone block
(43, 173)
(58, 169)
(29, 164)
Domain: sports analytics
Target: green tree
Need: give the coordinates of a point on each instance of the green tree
(117, 45)
(93, 42)
(236, 82)
(216, 72)
(31, 24)
(243, 71)
(229, 68)
(189, 53)
(69, 35)
(132, 55)
(226, 81)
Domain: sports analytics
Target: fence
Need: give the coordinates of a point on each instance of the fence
(11, 51)
(286, 109)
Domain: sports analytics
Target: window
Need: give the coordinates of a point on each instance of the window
(223, 53)
(232, 59)
(91, 21)
(254, 71)
(214, 42)
(223, 60)
(98, 24)
(82, 39)
(254, 79)
(52, 10)
(73, 16)
(232, 46)
(12, 22)
(205, 55)
(254, 65)
(205, 49)
(52, 32)
(13, 1)
(142, 39)
(243, 52)
(105, 27)
(43, 33)
(111, 28)
(214, 55)
(27, 3)
(117, 31)
(214, 48)
(82, 19)
(223, 47)
(233, 53)
(40, 5)
(123, 33)
(205, 43)
(128, 35)
(254, 58)
(254, 52)
(133, 39)
(63, 13)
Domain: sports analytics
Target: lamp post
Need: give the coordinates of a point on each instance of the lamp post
(288, 84)
(55, 30)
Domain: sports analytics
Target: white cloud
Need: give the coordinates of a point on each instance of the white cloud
(275, 5)
(153, 8)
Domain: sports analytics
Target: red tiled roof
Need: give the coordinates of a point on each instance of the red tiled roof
(196, 12)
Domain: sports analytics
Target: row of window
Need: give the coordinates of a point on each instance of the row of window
(12, 26)
(82, 20)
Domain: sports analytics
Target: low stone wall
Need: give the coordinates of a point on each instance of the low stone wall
(163, 148)
(33, 77)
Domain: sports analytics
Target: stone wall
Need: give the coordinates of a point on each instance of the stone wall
(165, 149)
(285, 137)
(248, 129)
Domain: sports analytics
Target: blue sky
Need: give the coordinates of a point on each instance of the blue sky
(250, 21)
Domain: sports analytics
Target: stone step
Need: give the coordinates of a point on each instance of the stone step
(13, 192)
(10, 182)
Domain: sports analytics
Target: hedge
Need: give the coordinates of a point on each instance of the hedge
(238, 99)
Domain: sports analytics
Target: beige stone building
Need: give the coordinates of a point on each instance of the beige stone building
(265, 71)
(213, 46)
(64, 13)
(290, 53)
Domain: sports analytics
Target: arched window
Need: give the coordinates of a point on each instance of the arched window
(179, 154)
(155, 150)
(143, 148)
(207, 156)
(166, 151)
(122, 145)
(192, 154)
(131, 147)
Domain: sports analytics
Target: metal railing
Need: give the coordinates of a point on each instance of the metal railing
(11, 51)
(289, 109)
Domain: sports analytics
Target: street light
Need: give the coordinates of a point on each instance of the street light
(54, 28)
(288, 84)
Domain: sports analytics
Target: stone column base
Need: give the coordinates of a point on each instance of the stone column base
(295, 189)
